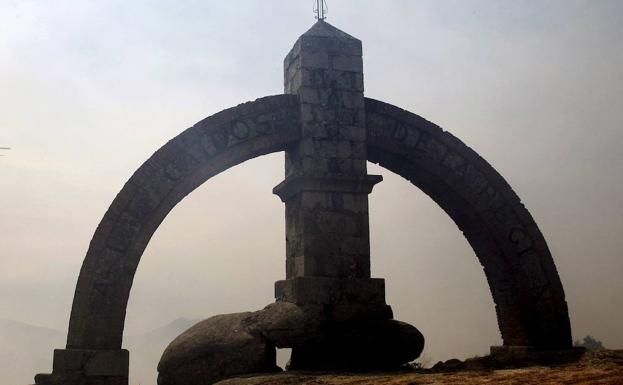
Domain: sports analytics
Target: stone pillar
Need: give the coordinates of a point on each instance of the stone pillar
(326, 186)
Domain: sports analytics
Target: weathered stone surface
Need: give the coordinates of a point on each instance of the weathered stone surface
(342, 299)
(360, 346)
(526, 288)
(78, 379)
(212, 145)
(323, 170)
(327, 231)
(86, 367)
(214, 349)
(244, 343)
(286, 324)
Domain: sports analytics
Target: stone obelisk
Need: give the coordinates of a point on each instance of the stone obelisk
(327, 185)
(325, 191)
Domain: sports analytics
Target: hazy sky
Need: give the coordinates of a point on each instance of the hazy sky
(90, 89)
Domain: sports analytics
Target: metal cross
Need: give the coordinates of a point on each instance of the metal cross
(321, 9)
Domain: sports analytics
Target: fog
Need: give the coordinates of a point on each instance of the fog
(89, 90)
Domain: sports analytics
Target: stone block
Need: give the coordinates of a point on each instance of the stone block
(358, 82)
(70, 360)
(307, 113)
(340, 80)
(351, 47)
(87, 367)
(294, 51)
(295, 80)
(344, 149)
(331, 222)
(359, 150)
(517, 355)
(355, 203)
(319, 44)
(295, 184)
(352, 100)
(355, 245)
(347, 117)
(315, 60)
(309, 95)
(307, 146)
(92, 362)
(313, 77)
(108, 363)
(506, 350)
(313, 165)
(324, 290)
(295, 266)
(350, 63)
(353, 133)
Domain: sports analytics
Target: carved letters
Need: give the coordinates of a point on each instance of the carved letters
(416, 144)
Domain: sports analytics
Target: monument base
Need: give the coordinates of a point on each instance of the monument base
(313, 290)
(512, 356)
(87, 367)
(344, 299)
(360, 346)
(357, 331)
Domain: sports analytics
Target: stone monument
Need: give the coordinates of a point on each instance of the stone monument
(328, 309)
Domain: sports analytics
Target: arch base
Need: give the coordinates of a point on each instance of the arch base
(517, 356)
(87, 367)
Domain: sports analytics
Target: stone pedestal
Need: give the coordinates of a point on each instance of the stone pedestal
(343, 299)
(517, 356)
(87, 367)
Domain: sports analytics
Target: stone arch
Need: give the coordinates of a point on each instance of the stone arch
(526, 289)
(528, 295)
(211, 146)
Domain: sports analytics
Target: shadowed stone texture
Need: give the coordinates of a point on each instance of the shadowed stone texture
(204, 150)
(529, 298)
(243, 343)
(214, 349)
(326, 196)
(326, 187)
(87, 367)
(211, 146)
(360, 346)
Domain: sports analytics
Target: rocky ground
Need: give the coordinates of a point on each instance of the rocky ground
(603, 368)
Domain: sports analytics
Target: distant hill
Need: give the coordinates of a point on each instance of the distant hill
(146, 349)
(26, 350)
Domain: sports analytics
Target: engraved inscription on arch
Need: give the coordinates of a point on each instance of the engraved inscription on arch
(520, 270)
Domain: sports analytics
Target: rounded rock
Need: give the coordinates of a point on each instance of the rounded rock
(214, 349)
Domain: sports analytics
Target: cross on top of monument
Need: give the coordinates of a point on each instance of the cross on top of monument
(321, 9)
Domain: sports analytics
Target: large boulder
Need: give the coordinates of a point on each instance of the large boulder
(287, 324)
(214, 349)
(244, 343)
